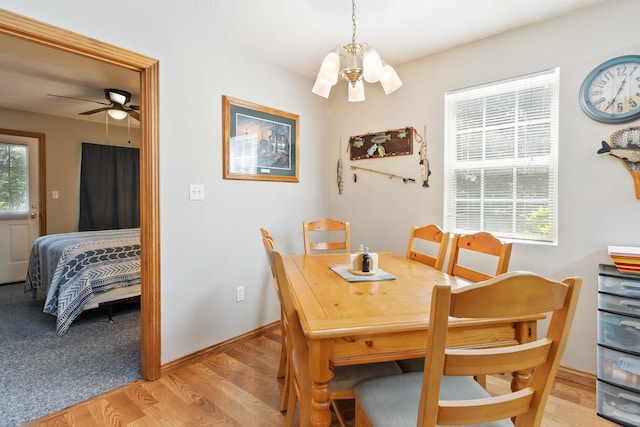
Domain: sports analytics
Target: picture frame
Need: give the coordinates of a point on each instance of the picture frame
(259, 143)
(388, 143)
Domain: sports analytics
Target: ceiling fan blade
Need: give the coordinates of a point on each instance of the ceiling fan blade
(86, 113)
(135, 115)
(78, 99)
(133, 107)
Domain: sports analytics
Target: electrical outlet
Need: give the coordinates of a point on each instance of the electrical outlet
(240, 293)
(196, 192)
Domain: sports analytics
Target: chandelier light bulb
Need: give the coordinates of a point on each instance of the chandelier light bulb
(389, 79)
(356, 92)
(372, 65)
(321, 88)
(330, 68)
(328, 75)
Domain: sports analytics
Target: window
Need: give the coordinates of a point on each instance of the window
(14, 180)
(500, 168)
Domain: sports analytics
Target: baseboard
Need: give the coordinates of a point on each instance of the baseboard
(218, 348)
(564, 373)
(575, 376)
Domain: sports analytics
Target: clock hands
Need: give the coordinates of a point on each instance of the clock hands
(618, 93)
(613, 100)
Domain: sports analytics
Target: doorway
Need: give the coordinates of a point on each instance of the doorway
(34, 31)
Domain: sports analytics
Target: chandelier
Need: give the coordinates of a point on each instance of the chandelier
(356, 63)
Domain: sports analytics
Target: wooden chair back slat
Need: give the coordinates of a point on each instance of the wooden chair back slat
(481, 242)
(473, 412)
(430, 233)
(327, 226)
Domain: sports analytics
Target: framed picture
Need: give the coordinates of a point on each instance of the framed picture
(259, 143)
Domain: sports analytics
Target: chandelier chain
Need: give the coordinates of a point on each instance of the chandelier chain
(353, 22)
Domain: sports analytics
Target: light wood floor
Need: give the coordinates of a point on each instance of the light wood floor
(237, 386)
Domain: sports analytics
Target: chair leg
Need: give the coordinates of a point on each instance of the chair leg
(283, 352)
(283, 361)
(284, 397)
(291, 404)
(283, 368)
(339, 415)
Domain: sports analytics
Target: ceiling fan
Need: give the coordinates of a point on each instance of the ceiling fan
(118, 106)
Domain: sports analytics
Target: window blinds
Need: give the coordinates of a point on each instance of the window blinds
(501, 158)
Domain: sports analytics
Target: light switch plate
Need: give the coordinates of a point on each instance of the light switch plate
(196, 192)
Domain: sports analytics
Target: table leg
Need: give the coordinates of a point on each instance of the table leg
(525, 332)
(321, 367)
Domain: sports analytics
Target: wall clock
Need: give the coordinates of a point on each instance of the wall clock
(611, 92)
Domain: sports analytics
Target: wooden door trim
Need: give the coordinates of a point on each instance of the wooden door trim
(38, 32)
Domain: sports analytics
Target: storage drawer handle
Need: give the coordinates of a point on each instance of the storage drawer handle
(635, 325)
(629, 397)
(635, 285)
(630, 303)
(629, 365)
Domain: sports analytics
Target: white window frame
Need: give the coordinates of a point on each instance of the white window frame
(511, 226)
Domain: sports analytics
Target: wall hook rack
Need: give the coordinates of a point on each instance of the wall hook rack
(390, 175)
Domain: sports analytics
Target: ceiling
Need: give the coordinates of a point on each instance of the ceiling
(294, 34)
(29, 71)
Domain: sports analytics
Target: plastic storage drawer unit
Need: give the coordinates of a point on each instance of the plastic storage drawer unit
(618, 385)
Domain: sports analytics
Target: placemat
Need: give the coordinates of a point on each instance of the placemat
(343, 270)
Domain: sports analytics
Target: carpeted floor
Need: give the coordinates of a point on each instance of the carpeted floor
(41, 372)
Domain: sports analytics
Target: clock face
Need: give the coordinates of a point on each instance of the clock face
(611, 92)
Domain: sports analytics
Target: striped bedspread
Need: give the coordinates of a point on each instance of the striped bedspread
(73, 267)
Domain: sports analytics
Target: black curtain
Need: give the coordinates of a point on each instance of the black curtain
(109, 187)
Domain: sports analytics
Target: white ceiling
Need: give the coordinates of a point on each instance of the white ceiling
(295, 34)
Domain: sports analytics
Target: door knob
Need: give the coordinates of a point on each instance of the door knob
(34, 215)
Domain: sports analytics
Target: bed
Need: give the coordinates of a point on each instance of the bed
(79, 271)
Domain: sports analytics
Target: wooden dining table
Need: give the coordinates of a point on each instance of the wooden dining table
(348, 323)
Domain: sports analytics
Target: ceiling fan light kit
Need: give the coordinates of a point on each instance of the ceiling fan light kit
(117, 108)
(360, 64)
(117, 113)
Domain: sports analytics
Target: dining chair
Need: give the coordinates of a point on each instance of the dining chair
(420, 240)
(445, 393)
(283, 371)
(328, 228)
(483, 243)
(429, 233)
(488, 246)
(345, 377)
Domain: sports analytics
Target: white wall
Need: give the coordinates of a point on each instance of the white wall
(597, 204)
(209, 247)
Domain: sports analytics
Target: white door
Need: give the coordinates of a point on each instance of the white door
(19, 205)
